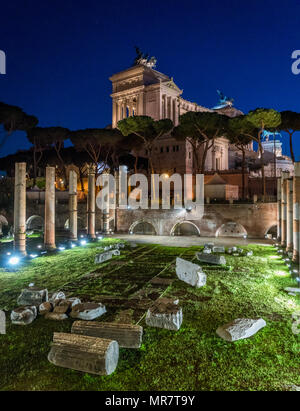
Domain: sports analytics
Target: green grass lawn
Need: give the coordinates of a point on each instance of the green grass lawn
(194, 358)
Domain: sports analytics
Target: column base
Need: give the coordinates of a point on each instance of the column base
(50, 247)
(295, 258)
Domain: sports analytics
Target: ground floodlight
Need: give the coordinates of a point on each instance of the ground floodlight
(33, 255)
(14, 260)
(83, 242)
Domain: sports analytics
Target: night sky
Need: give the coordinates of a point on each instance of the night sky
(60, 54)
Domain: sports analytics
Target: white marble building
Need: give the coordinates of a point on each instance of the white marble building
(141, 90)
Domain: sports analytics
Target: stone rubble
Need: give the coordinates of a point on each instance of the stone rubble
(23, 315)
(218, 249)
(45, 307)
(107, 255)
(164, 313)
(88, 311)
(211, 258)
(295, 290)
(32, 296)
(190, 273)
(59, 295)
(240, 328)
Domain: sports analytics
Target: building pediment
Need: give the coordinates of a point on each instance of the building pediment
(170, 84)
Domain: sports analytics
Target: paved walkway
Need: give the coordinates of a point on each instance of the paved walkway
(182, 241)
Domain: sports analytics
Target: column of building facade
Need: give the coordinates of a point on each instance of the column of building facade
(296, 211)
(284, 176)
(176, 120)
(73, 205)
(49, 234)
(279, 208)
(171, 109)
(166, 107)
(20, 209)
(91, 203)
(289, 215)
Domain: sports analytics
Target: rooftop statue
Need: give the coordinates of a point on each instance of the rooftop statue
(144, 59)
(224, 101)
(266, 134)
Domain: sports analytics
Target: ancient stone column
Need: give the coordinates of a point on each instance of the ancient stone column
(91, 203)
(49, 235)
(284, 176)
(73, 205)
(278, 208)
(20, 209)
(289, 215)
(296, 216)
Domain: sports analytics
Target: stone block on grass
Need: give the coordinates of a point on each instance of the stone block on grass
(32, 296)
(295, 290)
(88, 311)
(45, 307)
(218, 249)
(240, 328)
(190, 273)
(107, 255)
(23, 315)
(164, 313)
(127, 335)
(211, 259)
(58, 295)
(84, 353)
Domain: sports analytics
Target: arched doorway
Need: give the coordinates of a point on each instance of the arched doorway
(3, 225)
(185, 228)
(35, 223)
(231, 229)
(142, 227)
(80, 224)
(272, 231)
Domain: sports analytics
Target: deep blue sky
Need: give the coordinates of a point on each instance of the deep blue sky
(60, 54)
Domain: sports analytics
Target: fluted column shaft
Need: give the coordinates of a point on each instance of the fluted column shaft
(20, 209)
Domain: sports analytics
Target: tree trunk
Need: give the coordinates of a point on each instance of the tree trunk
(136, 163)
(202, 166)
(291, 147)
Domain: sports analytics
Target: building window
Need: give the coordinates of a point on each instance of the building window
(189, 155)
(167, 149)
(161, 149)
(177, 148)
(174, 148)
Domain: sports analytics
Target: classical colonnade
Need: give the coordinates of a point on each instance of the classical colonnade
(288, 212)
(49, 231)
(133, 105)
